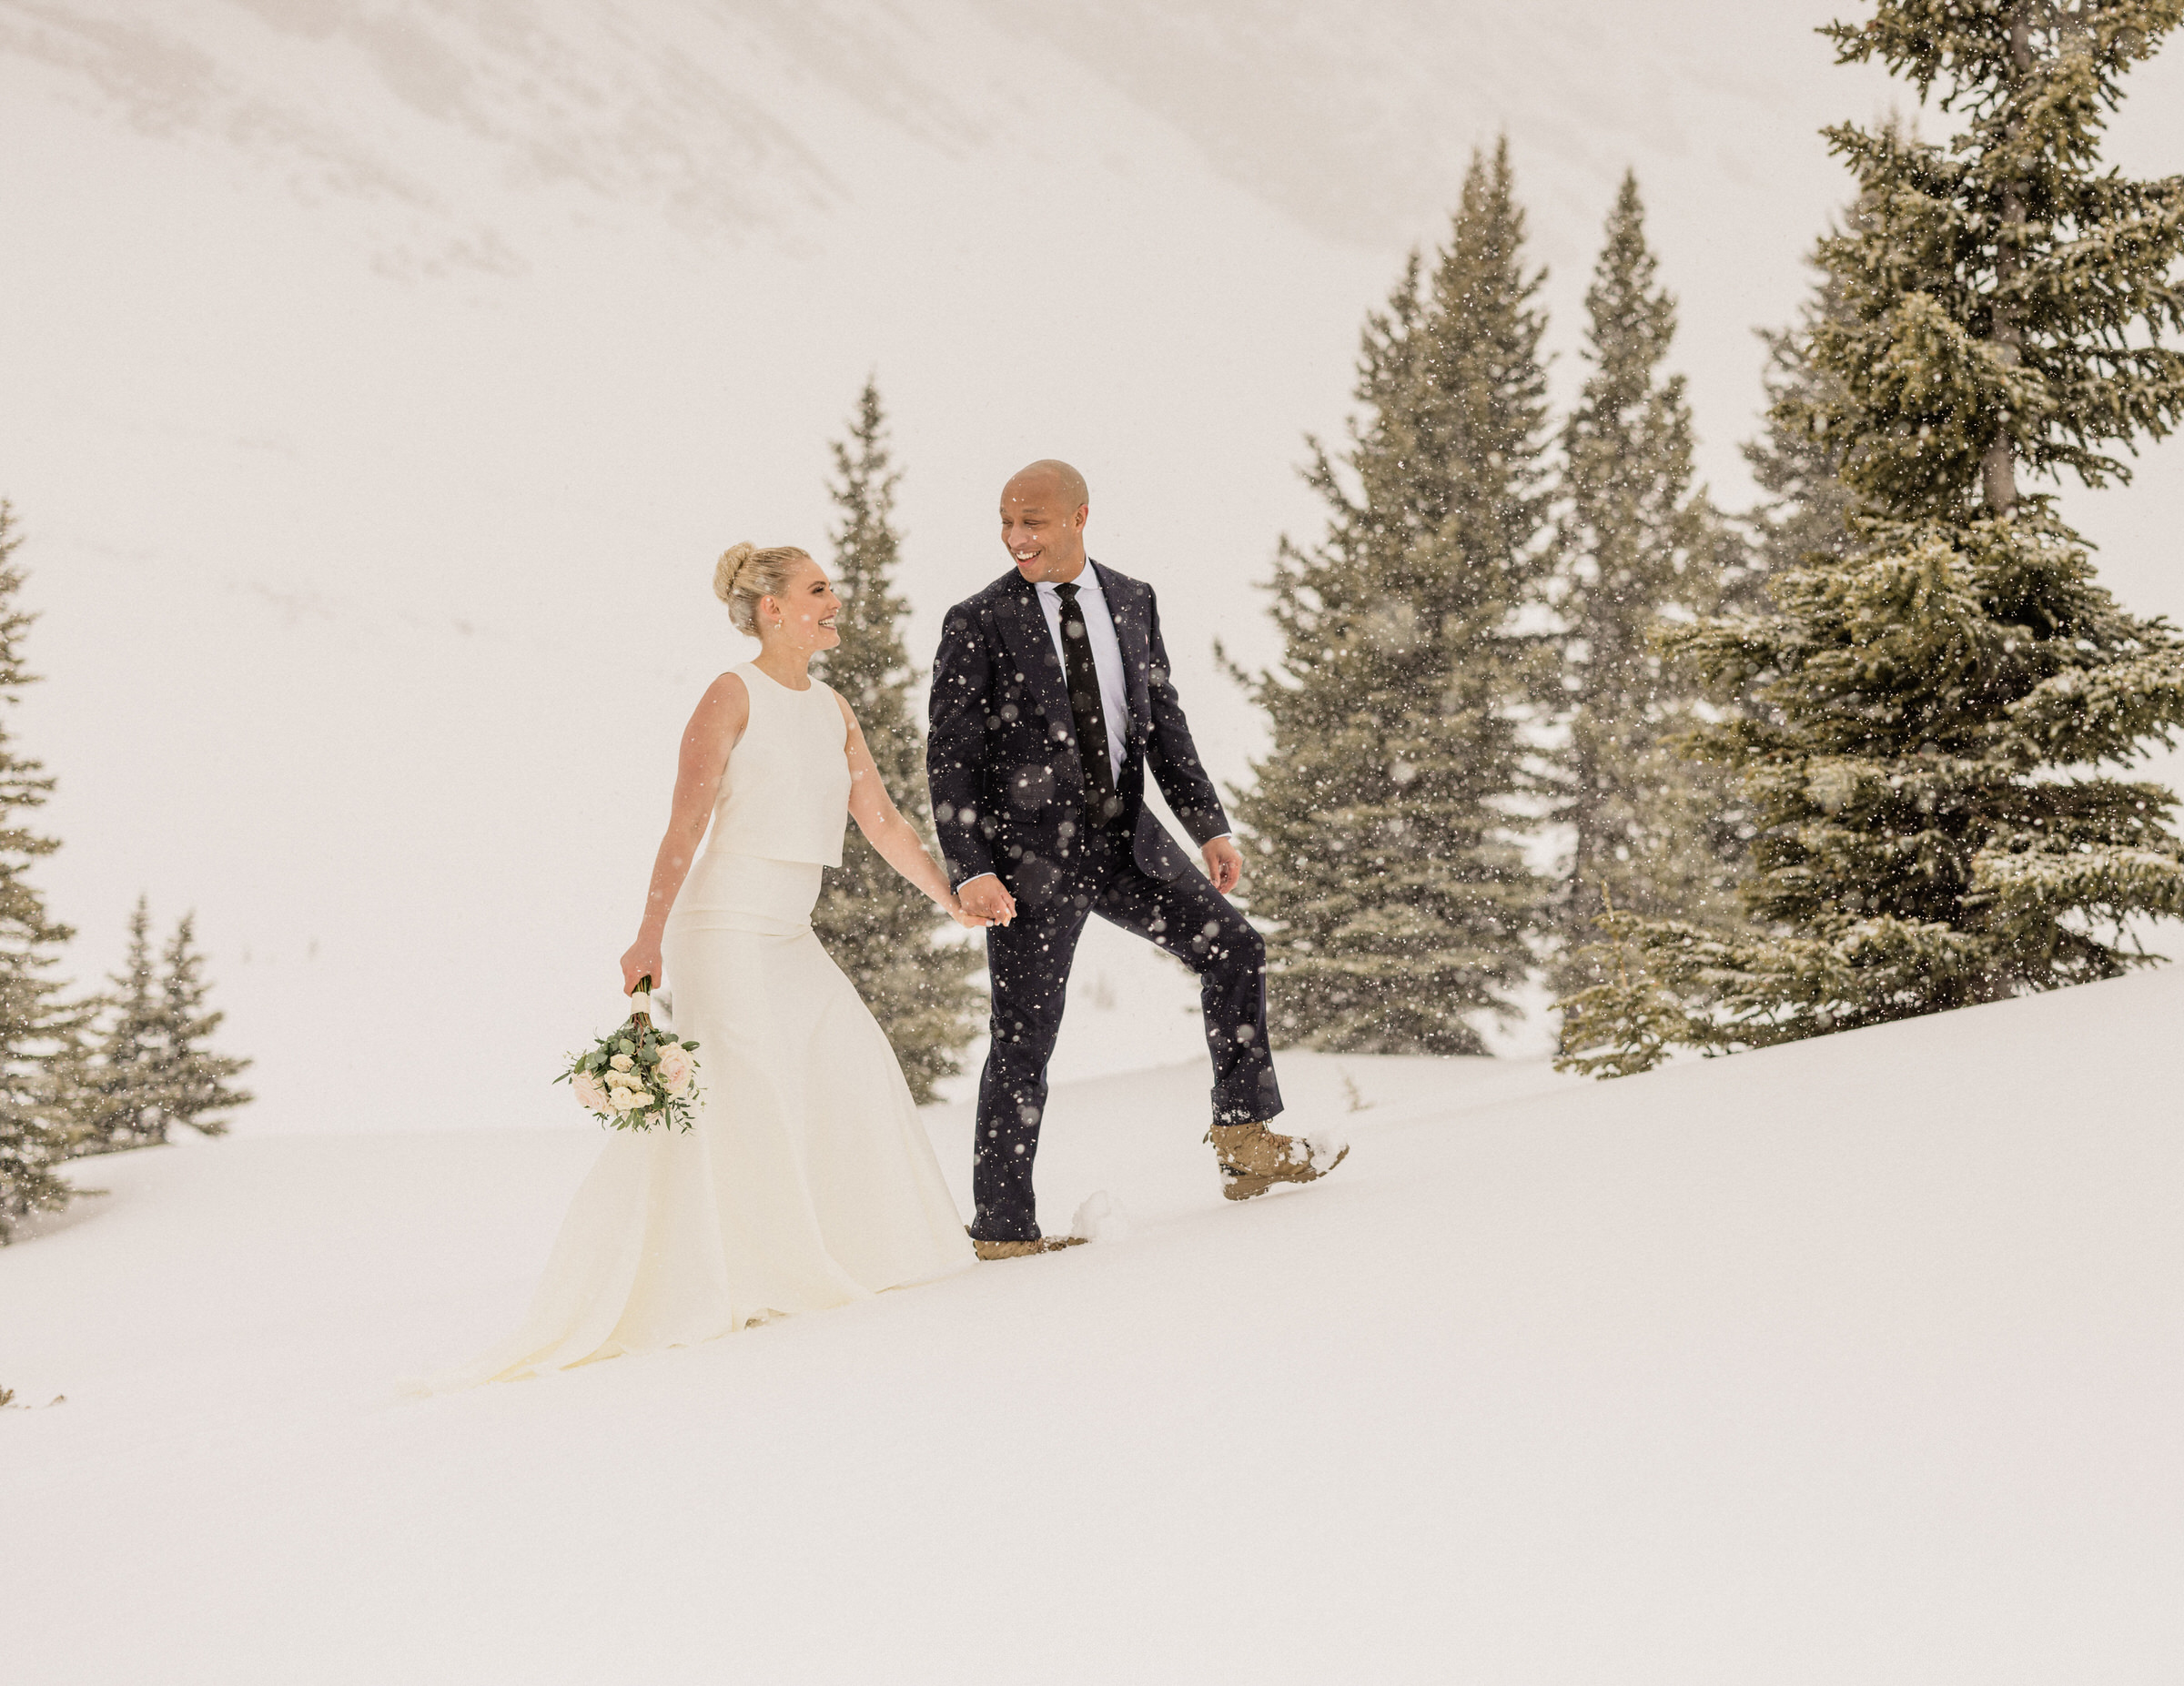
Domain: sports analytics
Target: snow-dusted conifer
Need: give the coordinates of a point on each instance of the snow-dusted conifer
(120, 1098)
(1933, 697)
(1386, 852)
(1803, 510)
(193, 1085)
(40, 1046)
(880, 929)
(1653, 831)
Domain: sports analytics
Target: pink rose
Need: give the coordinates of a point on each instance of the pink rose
(590, 1094)
(676, 1068)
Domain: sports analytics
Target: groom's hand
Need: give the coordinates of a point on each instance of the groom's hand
(987, 898)
(1224, 864)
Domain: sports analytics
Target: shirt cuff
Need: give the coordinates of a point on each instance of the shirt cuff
(975, 878)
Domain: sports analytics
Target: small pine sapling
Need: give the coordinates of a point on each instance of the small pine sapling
(122, 1101)
(193, 1083)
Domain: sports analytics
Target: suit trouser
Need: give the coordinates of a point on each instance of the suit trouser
(1029, 961)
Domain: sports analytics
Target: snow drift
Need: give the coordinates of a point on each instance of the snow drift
(1855, 1360)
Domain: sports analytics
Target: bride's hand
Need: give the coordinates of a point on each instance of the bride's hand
(642, 960)
(968, 920)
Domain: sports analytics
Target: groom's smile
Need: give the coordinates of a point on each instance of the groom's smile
(1043, 515)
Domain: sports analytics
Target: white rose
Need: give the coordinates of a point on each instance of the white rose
(623, 1062)
(590, 1095)
(676, 1068)
(629, 1100)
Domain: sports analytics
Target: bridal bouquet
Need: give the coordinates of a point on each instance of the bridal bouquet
(637, 1076)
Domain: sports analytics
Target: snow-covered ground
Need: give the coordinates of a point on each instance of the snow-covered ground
(1853, 1361)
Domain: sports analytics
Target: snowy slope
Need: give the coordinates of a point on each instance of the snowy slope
(1855, 1360)
(380, 378)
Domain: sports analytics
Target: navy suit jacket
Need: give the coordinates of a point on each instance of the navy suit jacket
(1008, 787)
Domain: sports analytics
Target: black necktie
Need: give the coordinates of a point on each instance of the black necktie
(1101, 802)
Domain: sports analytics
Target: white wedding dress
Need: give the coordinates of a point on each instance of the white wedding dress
(808, 1180)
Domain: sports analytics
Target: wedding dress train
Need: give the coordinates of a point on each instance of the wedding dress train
(808, 1180)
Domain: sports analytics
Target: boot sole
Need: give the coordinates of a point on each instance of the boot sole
(1250, 1186)
(1024, 1249)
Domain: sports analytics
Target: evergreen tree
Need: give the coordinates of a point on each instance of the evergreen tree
(879, 928)
(38, 1034)
(1653, 831)
(1934, 696)
(1805, 508)
(1383, 826)
(121, 1099)
(191, 1086)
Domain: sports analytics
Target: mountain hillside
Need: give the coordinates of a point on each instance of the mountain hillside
(381, 380)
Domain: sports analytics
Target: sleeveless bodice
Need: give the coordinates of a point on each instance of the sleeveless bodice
(786, 796)
(806, 1180)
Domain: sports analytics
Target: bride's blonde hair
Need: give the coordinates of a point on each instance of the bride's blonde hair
(746, 573)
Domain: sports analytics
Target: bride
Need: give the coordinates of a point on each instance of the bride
(806, 1180)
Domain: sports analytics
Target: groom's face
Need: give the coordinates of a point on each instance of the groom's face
(1045, 537)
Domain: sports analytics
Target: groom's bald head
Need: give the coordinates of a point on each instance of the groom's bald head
(1044, 509)
(1050, 474)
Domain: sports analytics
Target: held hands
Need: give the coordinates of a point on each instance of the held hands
(984, 902)
(1224, 864)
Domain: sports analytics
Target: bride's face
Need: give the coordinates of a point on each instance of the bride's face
(803, 616)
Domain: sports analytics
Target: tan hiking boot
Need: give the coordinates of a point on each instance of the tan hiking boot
(1254, 1158)
(1023, 1249)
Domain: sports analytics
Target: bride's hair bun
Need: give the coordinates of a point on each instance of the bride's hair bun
(746, 573)
(725, 570)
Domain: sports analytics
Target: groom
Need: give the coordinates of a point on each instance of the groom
(1051, 703)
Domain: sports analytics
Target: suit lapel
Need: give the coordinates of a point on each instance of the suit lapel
(1024, 629)
(1133, 632)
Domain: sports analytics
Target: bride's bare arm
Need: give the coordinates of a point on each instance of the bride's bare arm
(895, 838)
(715, 727)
